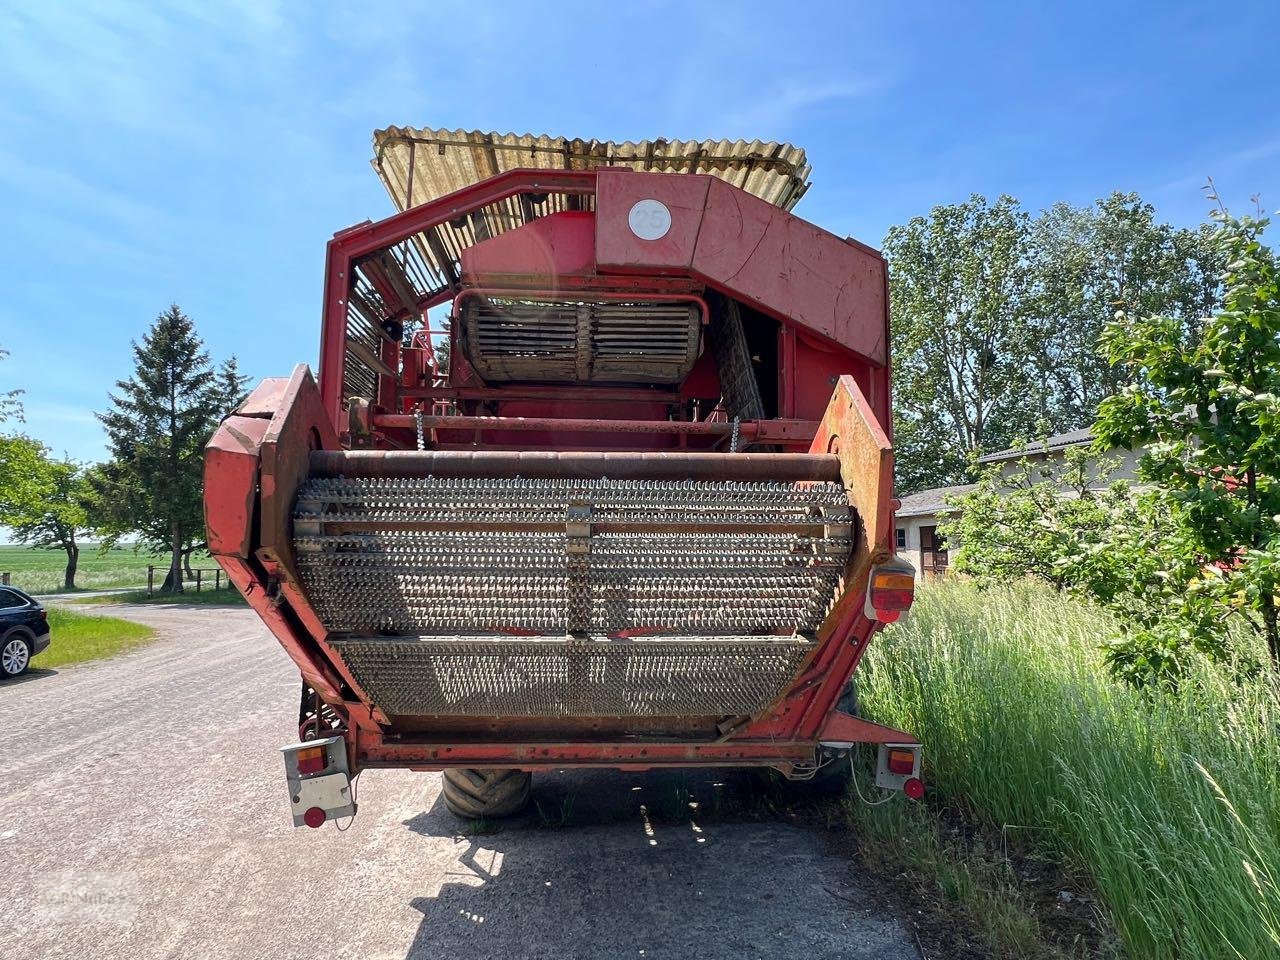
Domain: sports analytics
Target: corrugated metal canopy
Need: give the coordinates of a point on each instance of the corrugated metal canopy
(419, 165)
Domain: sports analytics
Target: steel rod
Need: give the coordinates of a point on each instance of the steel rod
(786, 467)
(747, 429)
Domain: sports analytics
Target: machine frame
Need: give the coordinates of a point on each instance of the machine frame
(829, 296)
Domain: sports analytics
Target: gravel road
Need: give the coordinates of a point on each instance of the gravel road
(143, 814)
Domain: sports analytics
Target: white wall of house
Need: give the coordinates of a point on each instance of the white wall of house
(908, 529)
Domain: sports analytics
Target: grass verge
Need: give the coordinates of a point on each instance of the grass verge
(79, 637)
(973, 893)
(1169, 803)
(210, 598)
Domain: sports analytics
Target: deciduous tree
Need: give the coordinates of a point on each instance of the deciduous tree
(1089, 263)
(964, 364)
(44, 501)
(1205, 403)
(10, 402)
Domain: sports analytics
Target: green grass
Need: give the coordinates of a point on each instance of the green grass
(226, 597)
(968, 891)
(41, 571)
(1169, 802)
(78, 637)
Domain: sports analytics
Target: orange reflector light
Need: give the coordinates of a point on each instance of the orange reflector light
(902, 762)
(891, 590)
(311, 760)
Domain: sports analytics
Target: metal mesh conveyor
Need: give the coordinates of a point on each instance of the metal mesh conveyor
(507, 677)
(564, 597)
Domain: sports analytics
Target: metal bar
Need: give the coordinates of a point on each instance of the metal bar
(369, 237)
(786, 467)
(372, 751)
(372, 359)
(556, 393)
(343, 527)
(749, 430)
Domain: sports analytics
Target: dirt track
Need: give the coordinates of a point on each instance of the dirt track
(143, 814)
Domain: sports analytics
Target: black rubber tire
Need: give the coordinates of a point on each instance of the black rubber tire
(15, 636)
(485, 794)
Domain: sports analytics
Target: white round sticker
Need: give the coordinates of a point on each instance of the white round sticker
(649, 219)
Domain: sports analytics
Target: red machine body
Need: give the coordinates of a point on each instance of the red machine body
(813, 312)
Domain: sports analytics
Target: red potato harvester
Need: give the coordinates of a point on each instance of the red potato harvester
(641, 518)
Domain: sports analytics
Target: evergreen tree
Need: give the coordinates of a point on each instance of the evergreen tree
(231, 387)
(160, 420)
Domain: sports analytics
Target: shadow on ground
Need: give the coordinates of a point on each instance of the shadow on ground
(31, 676)
(662, 864)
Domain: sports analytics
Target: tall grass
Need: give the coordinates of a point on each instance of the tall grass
(1170, 801)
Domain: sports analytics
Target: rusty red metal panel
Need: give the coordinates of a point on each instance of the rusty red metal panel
(793, 270)
(264, 400)
(231, 483)
(619, 248)
(841, 727)
(299, 426)
(553, 246)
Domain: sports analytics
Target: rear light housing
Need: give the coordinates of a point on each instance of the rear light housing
(319, 781)
(898, 768)
(891, 590)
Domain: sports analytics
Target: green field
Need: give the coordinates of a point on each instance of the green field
(226, 597)
(1168, 801)
(78, 637)
(41, 571)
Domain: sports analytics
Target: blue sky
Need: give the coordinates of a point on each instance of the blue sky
(202, 153)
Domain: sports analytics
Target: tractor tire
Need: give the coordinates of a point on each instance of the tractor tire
(485, 794)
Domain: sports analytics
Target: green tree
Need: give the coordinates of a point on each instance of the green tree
(1049, 521)
(158, 424)
(44, 501)
(1205, 403)
(963, 338)
(231, 387)
(1089, 263)
(10, 404)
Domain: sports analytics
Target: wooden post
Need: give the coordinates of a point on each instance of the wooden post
(199, 571)
(151, 578)
(4, 578)
(217, 578)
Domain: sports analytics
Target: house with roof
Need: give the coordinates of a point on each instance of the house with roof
(918, 518)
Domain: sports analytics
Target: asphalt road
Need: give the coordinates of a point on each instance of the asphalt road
(143, 814)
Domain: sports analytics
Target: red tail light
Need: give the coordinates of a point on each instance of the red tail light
(902, 762)
(890, 591)
(312, 760)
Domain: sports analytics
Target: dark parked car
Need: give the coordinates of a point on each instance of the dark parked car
(24, 631)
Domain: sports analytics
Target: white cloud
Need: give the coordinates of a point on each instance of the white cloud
(778, 108)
